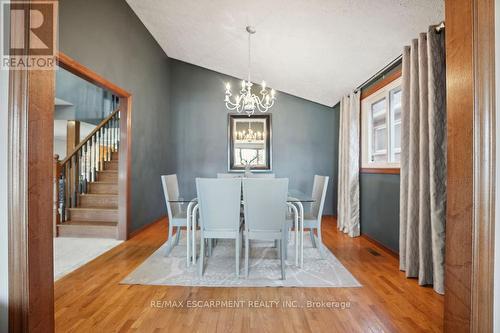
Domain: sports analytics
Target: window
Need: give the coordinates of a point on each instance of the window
(381, 127)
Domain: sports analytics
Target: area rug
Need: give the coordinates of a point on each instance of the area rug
(264, 268)
(71, 253)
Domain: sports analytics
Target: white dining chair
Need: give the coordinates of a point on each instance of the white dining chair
(176, 214)
(265, 207)
(312, 217)
(229, 175)
(219, 203)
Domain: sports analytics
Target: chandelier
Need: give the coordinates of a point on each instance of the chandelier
(247, 101)
(249, 135)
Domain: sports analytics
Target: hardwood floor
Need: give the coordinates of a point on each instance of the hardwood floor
(91, 299)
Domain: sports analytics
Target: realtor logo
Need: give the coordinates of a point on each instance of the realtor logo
(29, 34)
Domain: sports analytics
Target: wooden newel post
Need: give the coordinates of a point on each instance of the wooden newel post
(57, 172)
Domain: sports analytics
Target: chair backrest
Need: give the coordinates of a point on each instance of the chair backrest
(229, 175)
(219, 201)
(262, 175)
(171, 192)
(320, 187)
(265, 204)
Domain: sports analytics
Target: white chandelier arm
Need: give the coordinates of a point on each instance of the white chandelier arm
(229, 102)
(231, 106)
(263, 107)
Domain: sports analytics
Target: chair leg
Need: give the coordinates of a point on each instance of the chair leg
(177, 236)
(170, 243)
(201, 260)
(210, 244)
(321, 245)
(237, 252)
(247, 249)
(313, 240)
(287, 240)
(278, 247)
(282, 244)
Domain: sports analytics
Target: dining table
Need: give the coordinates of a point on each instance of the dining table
(295, 198)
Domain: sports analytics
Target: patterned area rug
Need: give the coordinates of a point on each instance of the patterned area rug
(264, 270)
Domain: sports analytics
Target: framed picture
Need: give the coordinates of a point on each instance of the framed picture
(249, 143)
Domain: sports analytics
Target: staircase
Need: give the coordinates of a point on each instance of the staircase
(87, 185)
(96, 214)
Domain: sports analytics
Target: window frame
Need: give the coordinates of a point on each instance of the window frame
(366, 131)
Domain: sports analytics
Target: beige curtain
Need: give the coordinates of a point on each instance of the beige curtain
(423, 160)
(348, 187)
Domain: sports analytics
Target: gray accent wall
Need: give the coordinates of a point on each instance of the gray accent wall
(379, 196)
(90, 103)
(107, 37)
(179, 120)
(305, 134)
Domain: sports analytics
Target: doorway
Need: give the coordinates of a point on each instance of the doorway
(469, 243)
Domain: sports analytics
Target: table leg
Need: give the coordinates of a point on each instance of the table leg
(301, 222)
(188, 225)
(193, 226)
(296, 231)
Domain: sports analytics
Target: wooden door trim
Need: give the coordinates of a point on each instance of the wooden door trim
(484, 167)
(125, 149)
(471, 165)
(73, 66)
(30, 266)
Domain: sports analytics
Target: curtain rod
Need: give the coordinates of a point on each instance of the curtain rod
(440, 27)
(386, 67)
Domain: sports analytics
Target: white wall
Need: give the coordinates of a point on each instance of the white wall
(496, 298)
(4, 287)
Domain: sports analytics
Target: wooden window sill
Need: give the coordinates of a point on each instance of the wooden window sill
(387, 171)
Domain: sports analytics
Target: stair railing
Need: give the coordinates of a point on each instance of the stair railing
(73, 174)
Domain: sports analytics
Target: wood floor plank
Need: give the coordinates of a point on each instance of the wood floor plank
(91, 299)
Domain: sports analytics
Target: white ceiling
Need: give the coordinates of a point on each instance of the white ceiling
(315, 49)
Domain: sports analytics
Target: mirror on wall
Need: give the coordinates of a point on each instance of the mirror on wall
(249, 143)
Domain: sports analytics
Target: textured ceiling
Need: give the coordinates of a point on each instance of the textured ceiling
(314, 49)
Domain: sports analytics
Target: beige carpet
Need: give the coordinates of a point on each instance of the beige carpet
(71, 253)
(265, 268)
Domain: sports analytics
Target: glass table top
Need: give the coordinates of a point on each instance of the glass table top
(293, 196)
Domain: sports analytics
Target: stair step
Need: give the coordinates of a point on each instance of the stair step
(115, 156)
(111, 165)
(94, 229)
(93, 214)
(103, 188)
(99, 201)
(107, 176)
